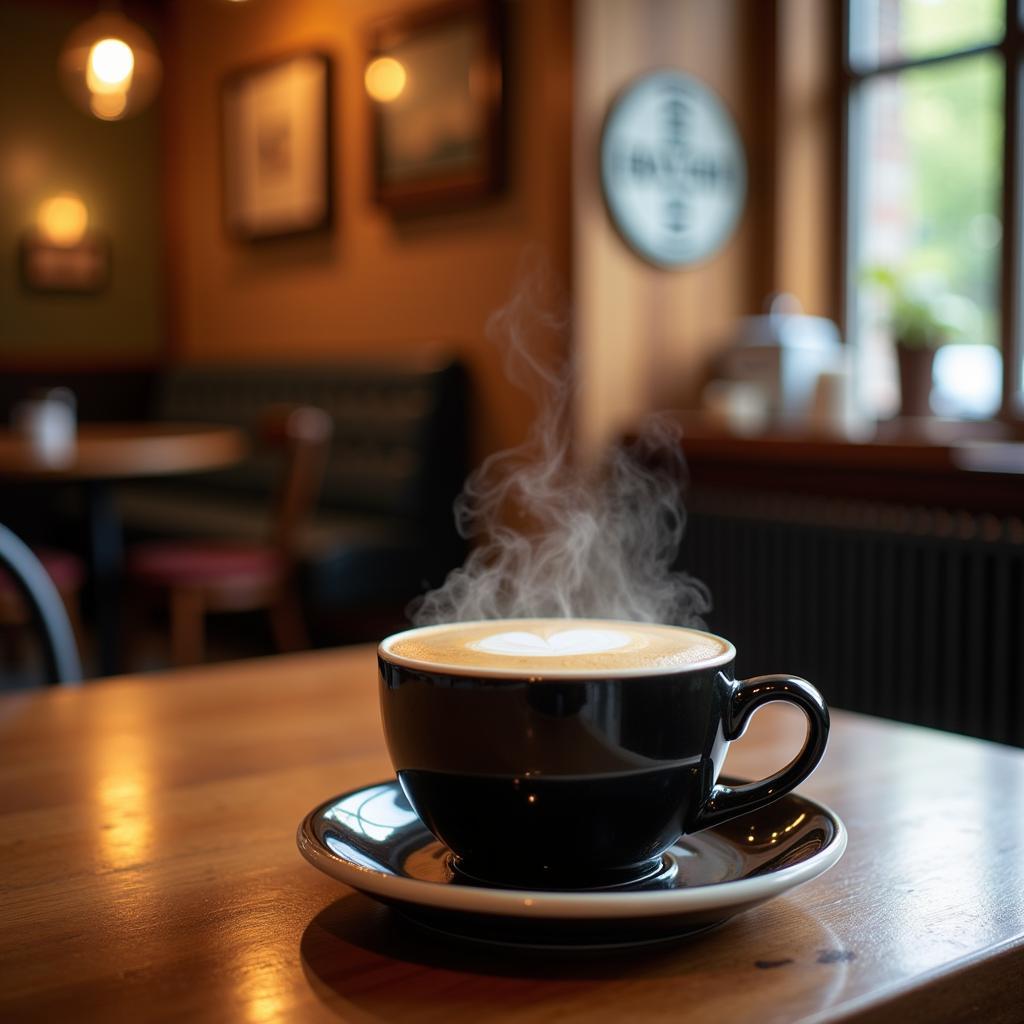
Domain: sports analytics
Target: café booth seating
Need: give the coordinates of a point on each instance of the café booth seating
(383, 529)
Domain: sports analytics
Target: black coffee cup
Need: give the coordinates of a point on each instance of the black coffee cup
(574, 771)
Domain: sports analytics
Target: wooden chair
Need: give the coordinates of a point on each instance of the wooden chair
(42, 588)
(200, 577)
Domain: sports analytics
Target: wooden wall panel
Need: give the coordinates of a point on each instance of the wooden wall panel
(644, 337)
(642, 334)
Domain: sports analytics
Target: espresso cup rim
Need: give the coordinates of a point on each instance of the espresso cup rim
(568, 674)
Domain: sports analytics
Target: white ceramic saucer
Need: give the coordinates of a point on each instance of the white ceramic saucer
(372, 840)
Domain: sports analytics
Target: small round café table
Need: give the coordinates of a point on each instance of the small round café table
(103, 454)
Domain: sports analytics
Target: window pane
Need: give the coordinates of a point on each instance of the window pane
(967, 381)
(882, 31)
(926, 177)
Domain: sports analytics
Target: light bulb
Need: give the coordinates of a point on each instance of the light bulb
(62, 219)
(385, 79)
(110, 67)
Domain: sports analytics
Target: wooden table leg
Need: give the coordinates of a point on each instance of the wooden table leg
(188, 625)
(106, 556)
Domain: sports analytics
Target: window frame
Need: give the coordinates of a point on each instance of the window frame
(1011, 279)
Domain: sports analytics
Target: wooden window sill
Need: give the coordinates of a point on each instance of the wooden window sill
(906, 464)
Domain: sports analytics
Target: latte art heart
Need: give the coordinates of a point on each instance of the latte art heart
(543, 649)
(519, 643)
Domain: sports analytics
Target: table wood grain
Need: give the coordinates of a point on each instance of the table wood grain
(149, 872)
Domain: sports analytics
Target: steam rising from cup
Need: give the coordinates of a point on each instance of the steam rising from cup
(557, 539)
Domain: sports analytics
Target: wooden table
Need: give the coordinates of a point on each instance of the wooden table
(149, 873)
(104, 453)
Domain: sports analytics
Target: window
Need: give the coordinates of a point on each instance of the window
(933, 95)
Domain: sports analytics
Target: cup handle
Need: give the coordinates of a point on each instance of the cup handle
(745, 698)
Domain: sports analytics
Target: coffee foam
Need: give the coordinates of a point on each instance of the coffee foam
(563, 647)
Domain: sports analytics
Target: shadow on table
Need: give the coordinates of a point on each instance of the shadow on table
(361, 956)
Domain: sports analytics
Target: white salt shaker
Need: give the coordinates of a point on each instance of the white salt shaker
(49, 424)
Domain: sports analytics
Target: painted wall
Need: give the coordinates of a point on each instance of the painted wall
(49, 146)
(374, 284)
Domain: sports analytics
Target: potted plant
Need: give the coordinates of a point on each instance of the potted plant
(919, 319)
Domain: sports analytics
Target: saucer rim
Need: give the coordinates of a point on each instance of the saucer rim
(541, 903)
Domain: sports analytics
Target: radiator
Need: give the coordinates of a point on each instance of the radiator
(910, 614)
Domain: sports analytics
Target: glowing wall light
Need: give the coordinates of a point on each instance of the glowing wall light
(385, 79)
(62, 219)
(60, 252)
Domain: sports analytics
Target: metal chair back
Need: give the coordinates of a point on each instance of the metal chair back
(45, 607)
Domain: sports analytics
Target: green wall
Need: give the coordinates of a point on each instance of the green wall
(47, 146)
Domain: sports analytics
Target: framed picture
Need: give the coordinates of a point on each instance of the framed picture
(81, 268)
(277, 148)
(435, 82)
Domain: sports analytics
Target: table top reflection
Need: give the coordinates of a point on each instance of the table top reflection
(148, 871)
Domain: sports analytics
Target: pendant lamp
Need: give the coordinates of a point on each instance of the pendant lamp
(110, 67)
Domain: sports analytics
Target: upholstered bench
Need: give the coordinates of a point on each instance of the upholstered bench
(384, 530)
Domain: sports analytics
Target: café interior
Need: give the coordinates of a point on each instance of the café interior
(322, 320)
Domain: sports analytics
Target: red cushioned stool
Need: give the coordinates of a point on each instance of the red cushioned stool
(206, 576)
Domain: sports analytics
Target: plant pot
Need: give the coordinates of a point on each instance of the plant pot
(915, 379)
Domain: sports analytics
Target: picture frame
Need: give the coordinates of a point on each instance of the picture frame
(79, 269)
(276, 120)
(438, 113)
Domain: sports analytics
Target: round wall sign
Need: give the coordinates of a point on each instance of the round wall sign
(672, 168)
